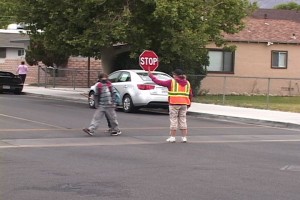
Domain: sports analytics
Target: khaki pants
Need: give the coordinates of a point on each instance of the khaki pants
(178, 116)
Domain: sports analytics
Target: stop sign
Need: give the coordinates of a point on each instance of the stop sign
(148, 60)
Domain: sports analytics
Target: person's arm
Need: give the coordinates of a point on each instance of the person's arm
(17, 72)
(166, 83)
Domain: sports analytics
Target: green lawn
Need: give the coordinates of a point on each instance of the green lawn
(291, 104)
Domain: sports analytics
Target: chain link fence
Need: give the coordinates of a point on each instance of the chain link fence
(267, 88)
(220, 86)
(71, 77)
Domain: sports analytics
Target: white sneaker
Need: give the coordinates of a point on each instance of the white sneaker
(183, 139)
(171, 139)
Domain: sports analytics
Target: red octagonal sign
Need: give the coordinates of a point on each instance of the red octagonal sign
(148, 60)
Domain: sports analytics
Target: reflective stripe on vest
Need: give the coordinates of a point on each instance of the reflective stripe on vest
(179, 94)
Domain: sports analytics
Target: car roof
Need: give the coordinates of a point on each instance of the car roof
(137, 70)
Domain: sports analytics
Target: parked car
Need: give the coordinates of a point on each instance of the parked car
(10, 82)
(136, 90)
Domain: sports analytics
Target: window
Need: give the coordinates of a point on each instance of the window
(145, 77)
(279, 59)
(220, 61)
(21, 52)
(125, 77)
(2, 52)
(113, 77)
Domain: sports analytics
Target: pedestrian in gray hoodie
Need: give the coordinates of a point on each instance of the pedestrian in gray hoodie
(106, 95)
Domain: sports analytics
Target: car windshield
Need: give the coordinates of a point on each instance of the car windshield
(160, 76)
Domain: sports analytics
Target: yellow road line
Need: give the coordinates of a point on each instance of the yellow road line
(36, 129)
(86, 144)
(123, 128)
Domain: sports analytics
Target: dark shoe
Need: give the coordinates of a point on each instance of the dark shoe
(115, 133)
(88, 131)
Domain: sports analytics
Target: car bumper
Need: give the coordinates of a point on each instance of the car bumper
(151, 101)
(18, 88)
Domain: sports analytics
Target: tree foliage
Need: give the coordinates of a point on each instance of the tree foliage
(288, 6)
(7, 12)
(177, 30)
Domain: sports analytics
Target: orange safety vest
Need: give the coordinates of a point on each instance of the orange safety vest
(179, 94)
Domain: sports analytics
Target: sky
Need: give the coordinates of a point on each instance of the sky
(272, 3)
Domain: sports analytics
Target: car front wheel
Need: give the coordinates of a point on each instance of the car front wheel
(128, 106)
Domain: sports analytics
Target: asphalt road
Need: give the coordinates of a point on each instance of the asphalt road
(45, 155)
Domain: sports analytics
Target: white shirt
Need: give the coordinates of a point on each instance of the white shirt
(22, 69)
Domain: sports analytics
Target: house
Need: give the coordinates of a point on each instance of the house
(266, 58)
(272, 3)
(14, 42)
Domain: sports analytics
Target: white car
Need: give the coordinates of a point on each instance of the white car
(136, 89)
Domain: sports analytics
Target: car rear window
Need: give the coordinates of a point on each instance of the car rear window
(6, 74)
(144, 76)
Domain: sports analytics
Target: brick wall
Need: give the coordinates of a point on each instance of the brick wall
(75, 74)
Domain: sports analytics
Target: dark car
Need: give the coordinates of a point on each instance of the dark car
(10, 82)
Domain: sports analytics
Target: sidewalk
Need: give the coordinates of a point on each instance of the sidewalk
(248, 115)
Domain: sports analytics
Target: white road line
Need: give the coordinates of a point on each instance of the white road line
(28, 120)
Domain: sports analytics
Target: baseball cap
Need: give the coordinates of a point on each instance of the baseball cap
(178, 72)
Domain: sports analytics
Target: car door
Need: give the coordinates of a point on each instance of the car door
(123, 83)
(119, 80)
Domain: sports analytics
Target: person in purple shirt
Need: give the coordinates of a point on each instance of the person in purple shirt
(22, 71)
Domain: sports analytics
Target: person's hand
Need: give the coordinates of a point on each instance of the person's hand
(149, 72)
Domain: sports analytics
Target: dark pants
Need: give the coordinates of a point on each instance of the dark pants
(23, 77)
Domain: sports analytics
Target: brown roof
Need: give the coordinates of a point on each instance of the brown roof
(291, 15)
(274, 29)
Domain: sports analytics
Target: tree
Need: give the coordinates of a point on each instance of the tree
(288, 6)
(177, 30)
(7, 12)
(38, 52)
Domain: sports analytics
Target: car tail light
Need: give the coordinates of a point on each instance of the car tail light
(145, 87)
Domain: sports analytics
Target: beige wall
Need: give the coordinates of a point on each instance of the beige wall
(11, 65)
(254, 60)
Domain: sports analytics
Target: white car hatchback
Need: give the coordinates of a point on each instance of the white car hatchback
(136, 90)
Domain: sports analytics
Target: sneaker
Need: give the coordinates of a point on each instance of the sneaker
(171, 139)
(108, 130)
(88, 131)
(183, 139)
(115, 133)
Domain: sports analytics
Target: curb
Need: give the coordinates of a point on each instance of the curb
(247, 120)
(77, 100)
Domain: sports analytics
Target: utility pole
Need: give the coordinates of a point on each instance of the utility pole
(89, 67)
